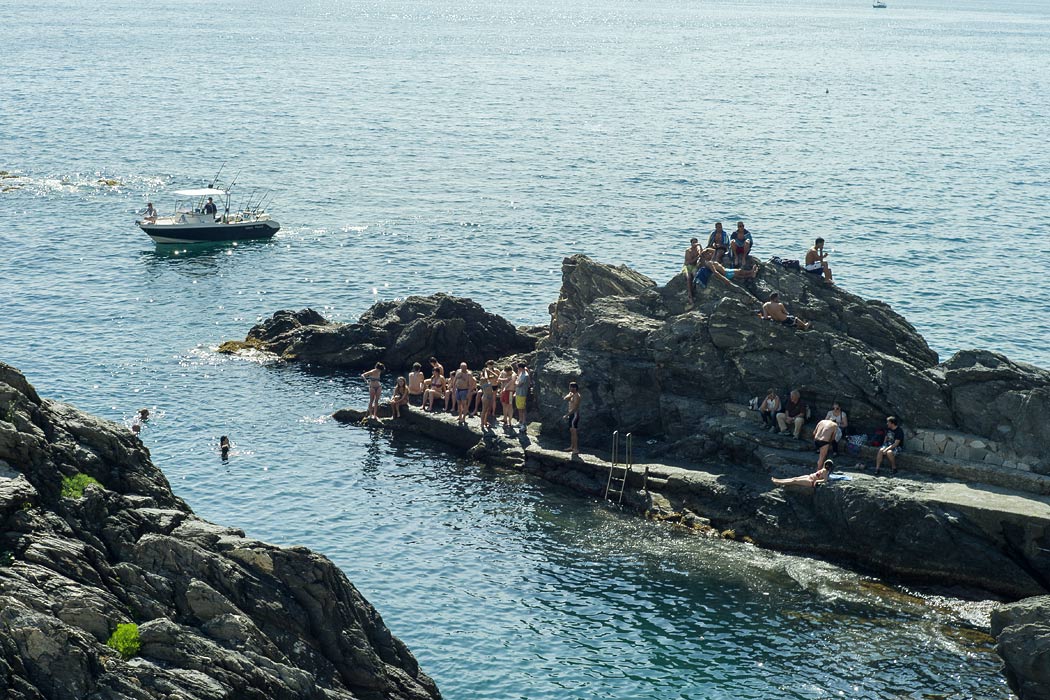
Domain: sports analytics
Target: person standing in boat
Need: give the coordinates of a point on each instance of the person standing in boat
(210, 208)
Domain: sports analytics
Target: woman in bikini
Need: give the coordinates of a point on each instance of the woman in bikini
(810, 480)
(400, 397)
(375, 388)
(435, 392)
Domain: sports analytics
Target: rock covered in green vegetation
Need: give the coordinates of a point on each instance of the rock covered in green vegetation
(218, 615)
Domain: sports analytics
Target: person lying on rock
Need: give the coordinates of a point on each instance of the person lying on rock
(816, 261)
(709, 267)
(775, 310)
(692, 258)
(823, 438)
(810, 480)
(794, 413)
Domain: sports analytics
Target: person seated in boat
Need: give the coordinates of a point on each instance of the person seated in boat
(740, 246)
(774, 310)
(210, 208)
(810, 480)
(719, 241)
(151, 213)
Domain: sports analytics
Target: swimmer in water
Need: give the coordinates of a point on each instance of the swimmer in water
(224, 448)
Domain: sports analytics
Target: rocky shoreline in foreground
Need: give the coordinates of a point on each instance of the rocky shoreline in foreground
(973, 509)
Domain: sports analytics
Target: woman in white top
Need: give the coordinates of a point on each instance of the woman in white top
(769, 408)
(839, 416)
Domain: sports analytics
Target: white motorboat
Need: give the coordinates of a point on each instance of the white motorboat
(197, 218)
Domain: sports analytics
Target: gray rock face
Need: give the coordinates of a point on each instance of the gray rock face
(648, 364)
(219, 615)
(1022, 631)
(396, 333)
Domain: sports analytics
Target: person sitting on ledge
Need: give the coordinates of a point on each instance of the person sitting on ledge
(775, 310)
(709, 267)
(740, 246)
(719, 242)
(839, 416)
(891, 446)
(795, 413)
(769, 408)
(400, 397)
(435, 392)
(416, 385)
(810, 480)
(816, 261)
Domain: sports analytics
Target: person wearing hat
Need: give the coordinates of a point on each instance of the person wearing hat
(810, 480)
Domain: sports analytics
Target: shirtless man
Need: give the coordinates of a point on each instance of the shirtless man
(775, 310)
(823, 438)
(816, 261)
(719, 242)
(416, 386)
(463, 381)
(437, 366)
(573, 415)
(692, 258)
(709, 267)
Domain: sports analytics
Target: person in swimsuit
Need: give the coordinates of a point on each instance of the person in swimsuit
(375, 388)
(416, 385)
(506, 384)
(224, 448)
(463, 381)
(400, 397)
(709, 268)
(434, 392)
(692, 259)
(775, 310)
(740, 245)
(824, 438)
(489, 382)
(810, 480)
(718, 241)
(437, 366)
(816, 261)
(573, 416)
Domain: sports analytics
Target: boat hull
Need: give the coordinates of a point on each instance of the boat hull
(211, 232)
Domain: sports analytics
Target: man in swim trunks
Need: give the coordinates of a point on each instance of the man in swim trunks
(692, 258)
(740, 246)
(521, 393)
(774, 310)
(463, 381)
(709, 268)
(816, 261)
(823, 437)
(573, 416)
(416, 385)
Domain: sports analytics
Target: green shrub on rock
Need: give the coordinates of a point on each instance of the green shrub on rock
(6, 558)
(73, 486)
(125, 639)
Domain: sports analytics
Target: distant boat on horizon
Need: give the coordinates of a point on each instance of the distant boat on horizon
(879, 4)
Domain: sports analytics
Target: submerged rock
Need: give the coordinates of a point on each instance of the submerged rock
(219, 615)
(396, 333)
(1022, 631)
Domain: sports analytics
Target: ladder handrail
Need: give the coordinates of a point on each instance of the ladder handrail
(628, 462)
(612, 461)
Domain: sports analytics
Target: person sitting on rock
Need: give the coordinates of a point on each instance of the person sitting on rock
(400, 397)
(794, 413)
(816, 261)
(839, 416)
(435, 392)
(709, 268)
(824, 438)
(810, 480)
(692, 261)
(740, 246)
(892, 445)
(719, 242)
(775, 310)
(416, 385)
(769, 408)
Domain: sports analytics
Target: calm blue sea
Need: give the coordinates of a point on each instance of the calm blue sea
(467, 147)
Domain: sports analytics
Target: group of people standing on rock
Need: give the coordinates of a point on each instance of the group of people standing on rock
(493, 395)
(728, 257)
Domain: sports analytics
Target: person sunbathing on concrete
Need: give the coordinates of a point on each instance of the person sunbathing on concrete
(809, 480)
(775, 310)
(817, 261)
(709, 268)
(823, 438)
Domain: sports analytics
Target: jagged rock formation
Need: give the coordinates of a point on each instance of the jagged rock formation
(1022, 632)
(396, 333)
(648, 364)
(220, 615)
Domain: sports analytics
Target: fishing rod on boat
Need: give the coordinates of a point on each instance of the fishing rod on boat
(216, 178)
(260, 207)
(248, 203)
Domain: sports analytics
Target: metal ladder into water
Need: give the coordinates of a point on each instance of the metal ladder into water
(616, 484)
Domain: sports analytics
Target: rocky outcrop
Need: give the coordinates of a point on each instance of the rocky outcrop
(648, 364)
(396, 333)
(1022, 632)
(219, 615)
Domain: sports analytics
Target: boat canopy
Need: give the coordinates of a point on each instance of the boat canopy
(202, 192)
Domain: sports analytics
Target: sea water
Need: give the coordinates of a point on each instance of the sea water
(467, 147)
